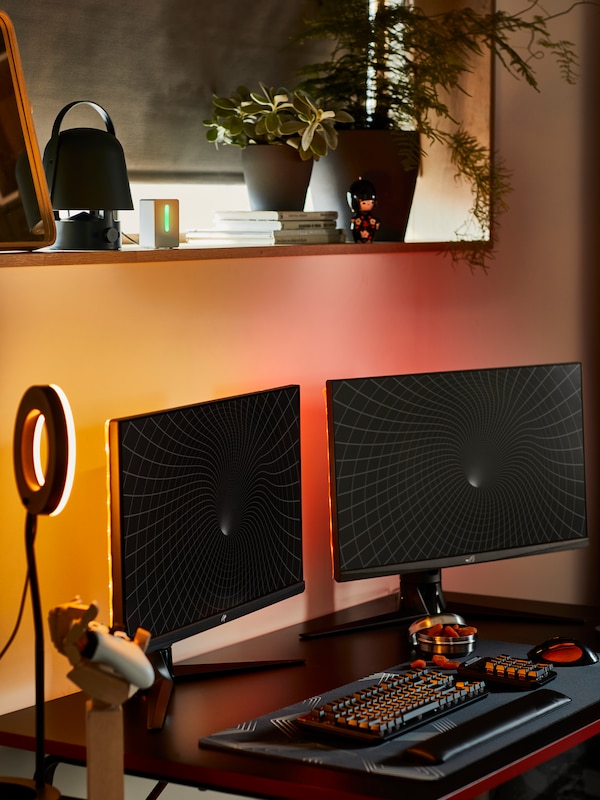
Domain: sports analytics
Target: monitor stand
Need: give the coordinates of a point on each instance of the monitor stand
(420, 595)
(168, 673)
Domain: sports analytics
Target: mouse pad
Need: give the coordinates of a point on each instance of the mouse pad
(276, 735)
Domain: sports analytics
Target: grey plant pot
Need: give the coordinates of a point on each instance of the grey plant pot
(276, 177)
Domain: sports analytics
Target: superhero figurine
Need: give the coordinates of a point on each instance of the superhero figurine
(362, 199)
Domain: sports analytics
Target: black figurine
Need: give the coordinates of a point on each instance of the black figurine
(362, 199)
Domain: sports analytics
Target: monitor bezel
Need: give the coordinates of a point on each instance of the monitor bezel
(165, 640)
(343, 574)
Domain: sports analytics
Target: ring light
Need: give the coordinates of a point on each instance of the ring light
(44, 490)
(44, 417)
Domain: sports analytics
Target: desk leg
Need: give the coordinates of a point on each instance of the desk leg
(104, 732)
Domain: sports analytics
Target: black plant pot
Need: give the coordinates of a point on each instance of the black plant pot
(276, 177)
(374, 156)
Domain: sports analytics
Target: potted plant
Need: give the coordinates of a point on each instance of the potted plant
(301, 130)
(395, 66)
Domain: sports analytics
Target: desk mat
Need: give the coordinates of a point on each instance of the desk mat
(276, 735)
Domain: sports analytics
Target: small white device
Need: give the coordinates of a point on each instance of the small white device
(159, 223)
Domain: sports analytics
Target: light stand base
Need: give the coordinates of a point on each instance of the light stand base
(88, 231)
(22, 789)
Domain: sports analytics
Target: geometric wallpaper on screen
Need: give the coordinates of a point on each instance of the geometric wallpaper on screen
(210, 506)
(453, 466)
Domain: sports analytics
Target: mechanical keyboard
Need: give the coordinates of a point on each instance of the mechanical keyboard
(503, 670)
(392, 705)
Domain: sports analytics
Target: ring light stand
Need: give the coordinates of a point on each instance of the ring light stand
(45, 491)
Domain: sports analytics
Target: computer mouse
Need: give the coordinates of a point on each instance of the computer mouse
(562, 651)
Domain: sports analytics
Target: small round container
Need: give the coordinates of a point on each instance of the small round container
(441, 645)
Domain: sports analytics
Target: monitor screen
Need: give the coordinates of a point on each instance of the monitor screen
(205, 513)
(449, 468)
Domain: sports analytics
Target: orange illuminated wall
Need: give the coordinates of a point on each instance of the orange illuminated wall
(122, 338)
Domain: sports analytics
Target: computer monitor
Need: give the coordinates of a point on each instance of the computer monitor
(205, 519)
(442, 469)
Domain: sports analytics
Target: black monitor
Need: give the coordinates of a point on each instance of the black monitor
(449, 468)
(205, 518)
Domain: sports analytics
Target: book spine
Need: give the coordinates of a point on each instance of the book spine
(276, 215)
(273, 237)
(308, 237)
(322, 224)
(240, 225)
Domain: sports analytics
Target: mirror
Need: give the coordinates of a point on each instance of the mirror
(176, 68)
(441, 209)
(26, 217)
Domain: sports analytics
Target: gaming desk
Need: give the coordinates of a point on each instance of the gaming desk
(216, 703)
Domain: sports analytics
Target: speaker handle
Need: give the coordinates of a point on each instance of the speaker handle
(52, 146)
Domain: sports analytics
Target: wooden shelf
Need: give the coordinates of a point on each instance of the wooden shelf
(133, 255)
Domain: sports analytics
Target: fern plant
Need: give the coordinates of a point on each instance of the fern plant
(393, 65)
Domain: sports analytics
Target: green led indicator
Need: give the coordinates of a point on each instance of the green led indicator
(167, 218)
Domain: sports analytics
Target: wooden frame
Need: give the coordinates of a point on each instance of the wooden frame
(26, 217)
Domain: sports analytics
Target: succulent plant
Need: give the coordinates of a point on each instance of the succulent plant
(275, 116)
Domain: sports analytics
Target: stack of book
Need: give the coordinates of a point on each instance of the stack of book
(248, 228)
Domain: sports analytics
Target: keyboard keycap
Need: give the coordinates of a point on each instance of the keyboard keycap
(503, 670)
(382, 710)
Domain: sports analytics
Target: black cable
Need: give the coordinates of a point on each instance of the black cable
(38, 625)
(15, 630)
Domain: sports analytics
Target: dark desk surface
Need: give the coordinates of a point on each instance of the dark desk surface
(203, 707)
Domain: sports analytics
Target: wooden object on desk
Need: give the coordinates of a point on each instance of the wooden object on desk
(106, 690)
(104, 742)
(104, 730)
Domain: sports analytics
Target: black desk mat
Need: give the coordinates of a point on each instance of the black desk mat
(276, 735)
